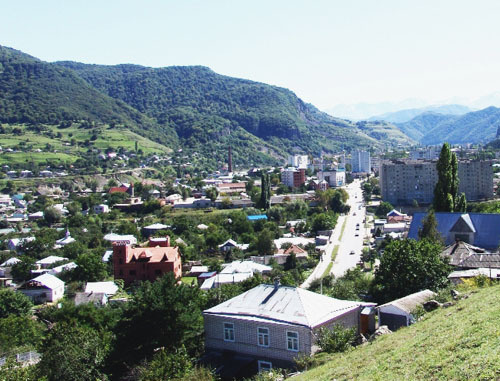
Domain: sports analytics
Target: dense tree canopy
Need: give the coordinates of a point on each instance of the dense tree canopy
(408, 266)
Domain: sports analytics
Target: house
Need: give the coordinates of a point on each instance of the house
(66, 267)
(126, 239)
(271, 325)
(35, 216)
(101, 208)
(457, 277)
(154, 228)
(230, 245)
(478, 229)
(15, 244)
(108, 288)
(398, 313)
(234, 272)
(97, 298)
(43, 288)
(145, 263)
(257, 217)
(124, 188)
(46, 262)
(66, 240)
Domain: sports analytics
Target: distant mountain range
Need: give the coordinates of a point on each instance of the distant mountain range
(188, 107)
(402, 116)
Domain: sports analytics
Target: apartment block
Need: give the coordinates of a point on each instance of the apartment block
(402, 181)
(360, 161)
(293, 177)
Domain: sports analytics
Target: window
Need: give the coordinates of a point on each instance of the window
(228, 332)
(265, 366)
(263, 337)
(292, 341)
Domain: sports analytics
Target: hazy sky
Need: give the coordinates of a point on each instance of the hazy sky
(327, 52)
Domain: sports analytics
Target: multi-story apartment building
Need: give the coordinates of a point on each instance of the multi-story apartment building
(334, 178)
(403, 181)
(430, 153)
(298, 161)
(360, 161)
(293, 177)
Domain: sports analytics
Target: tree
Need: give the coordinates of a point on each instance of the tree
(72, 352)
(22, 270)
(52, 215)
(90, 268)
(408, 266)
(14, 303)
(19, 331)
(212, 193)
(429, 228)
(383, 208)
(265, 192)
(323, 221)
(161, 314)
(446, 197)
(265, 242)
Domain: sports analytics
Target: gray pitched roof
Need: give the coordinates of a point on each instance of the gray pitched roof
(459, 251)
(283, 304)
(409, 302)
(484, 260)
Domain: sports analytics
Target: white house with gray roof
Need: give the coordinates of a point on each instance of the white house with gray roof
(271, 325)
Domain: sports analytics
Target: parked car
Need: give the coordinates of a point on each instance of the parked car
(352, 252)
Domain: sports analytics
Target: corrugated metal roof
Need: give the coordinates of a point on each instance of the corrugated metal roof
(408, 303)
(486, 225)
(291, 305)
(49, 281)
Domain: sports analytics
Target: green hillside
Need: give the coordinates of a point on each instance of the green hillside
(204, 106)
(418, 127)
(33, 91)
(190, 107)
(456, 343)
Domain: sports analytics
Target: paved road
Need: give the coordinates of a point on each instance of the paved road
(352, 239)
(327, 257)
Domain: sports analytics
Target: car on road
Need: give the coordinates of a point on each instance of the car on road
(354, 214)
(356, 235)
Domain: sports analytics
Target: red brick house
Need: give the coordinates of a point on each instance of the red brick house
(146, 263)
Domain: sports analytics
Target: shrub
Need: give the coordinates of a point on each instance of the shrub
(336, 339)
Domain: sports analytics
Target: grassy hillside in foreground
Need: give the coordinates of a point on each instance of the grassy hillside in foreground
(457, 343)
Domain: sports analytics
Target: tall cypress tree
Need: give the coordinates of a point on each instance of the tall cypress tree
(446, 197)
(265, 191)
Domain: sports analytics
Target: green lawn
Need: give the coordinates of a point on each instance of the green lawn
(188, 280)
(461, 342)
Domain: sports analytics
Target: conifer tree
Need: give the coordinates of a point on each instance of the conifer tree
(446, 197)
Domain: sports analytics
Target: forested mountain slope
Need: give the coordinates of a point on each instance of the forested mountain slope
(200, 103)
(33, 91)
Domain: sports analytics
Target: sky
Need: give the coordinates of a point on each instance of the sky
(328, 52)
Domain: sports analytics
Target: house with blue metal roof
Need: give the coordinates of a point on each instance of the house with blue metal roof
(478, 229)
(257, 217)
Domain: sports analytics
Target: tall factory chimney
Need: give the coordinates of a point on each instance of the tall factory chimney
(229, 160)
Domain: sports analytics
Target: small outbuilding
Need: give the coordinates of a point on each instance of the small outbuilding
(43, 288)
(398, 313)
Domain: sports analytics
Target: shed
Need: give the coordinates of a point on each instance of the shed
(398, 313)
(43, 288)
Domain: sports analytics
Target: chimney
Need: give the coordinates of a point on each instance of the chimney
(276, 283)
(229, 160)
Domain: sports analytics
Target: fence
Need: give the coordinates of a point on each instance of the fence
(25, 358)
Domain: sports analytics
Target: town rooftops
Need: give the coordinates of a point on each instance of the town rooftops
(459, 251)
(157, 226)
(244, 267)
(283, 304)
(46, 280)
(108, 288)
(409, 302)
(10, 262)
(257, 217)
(128, 238)
(51, 259)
